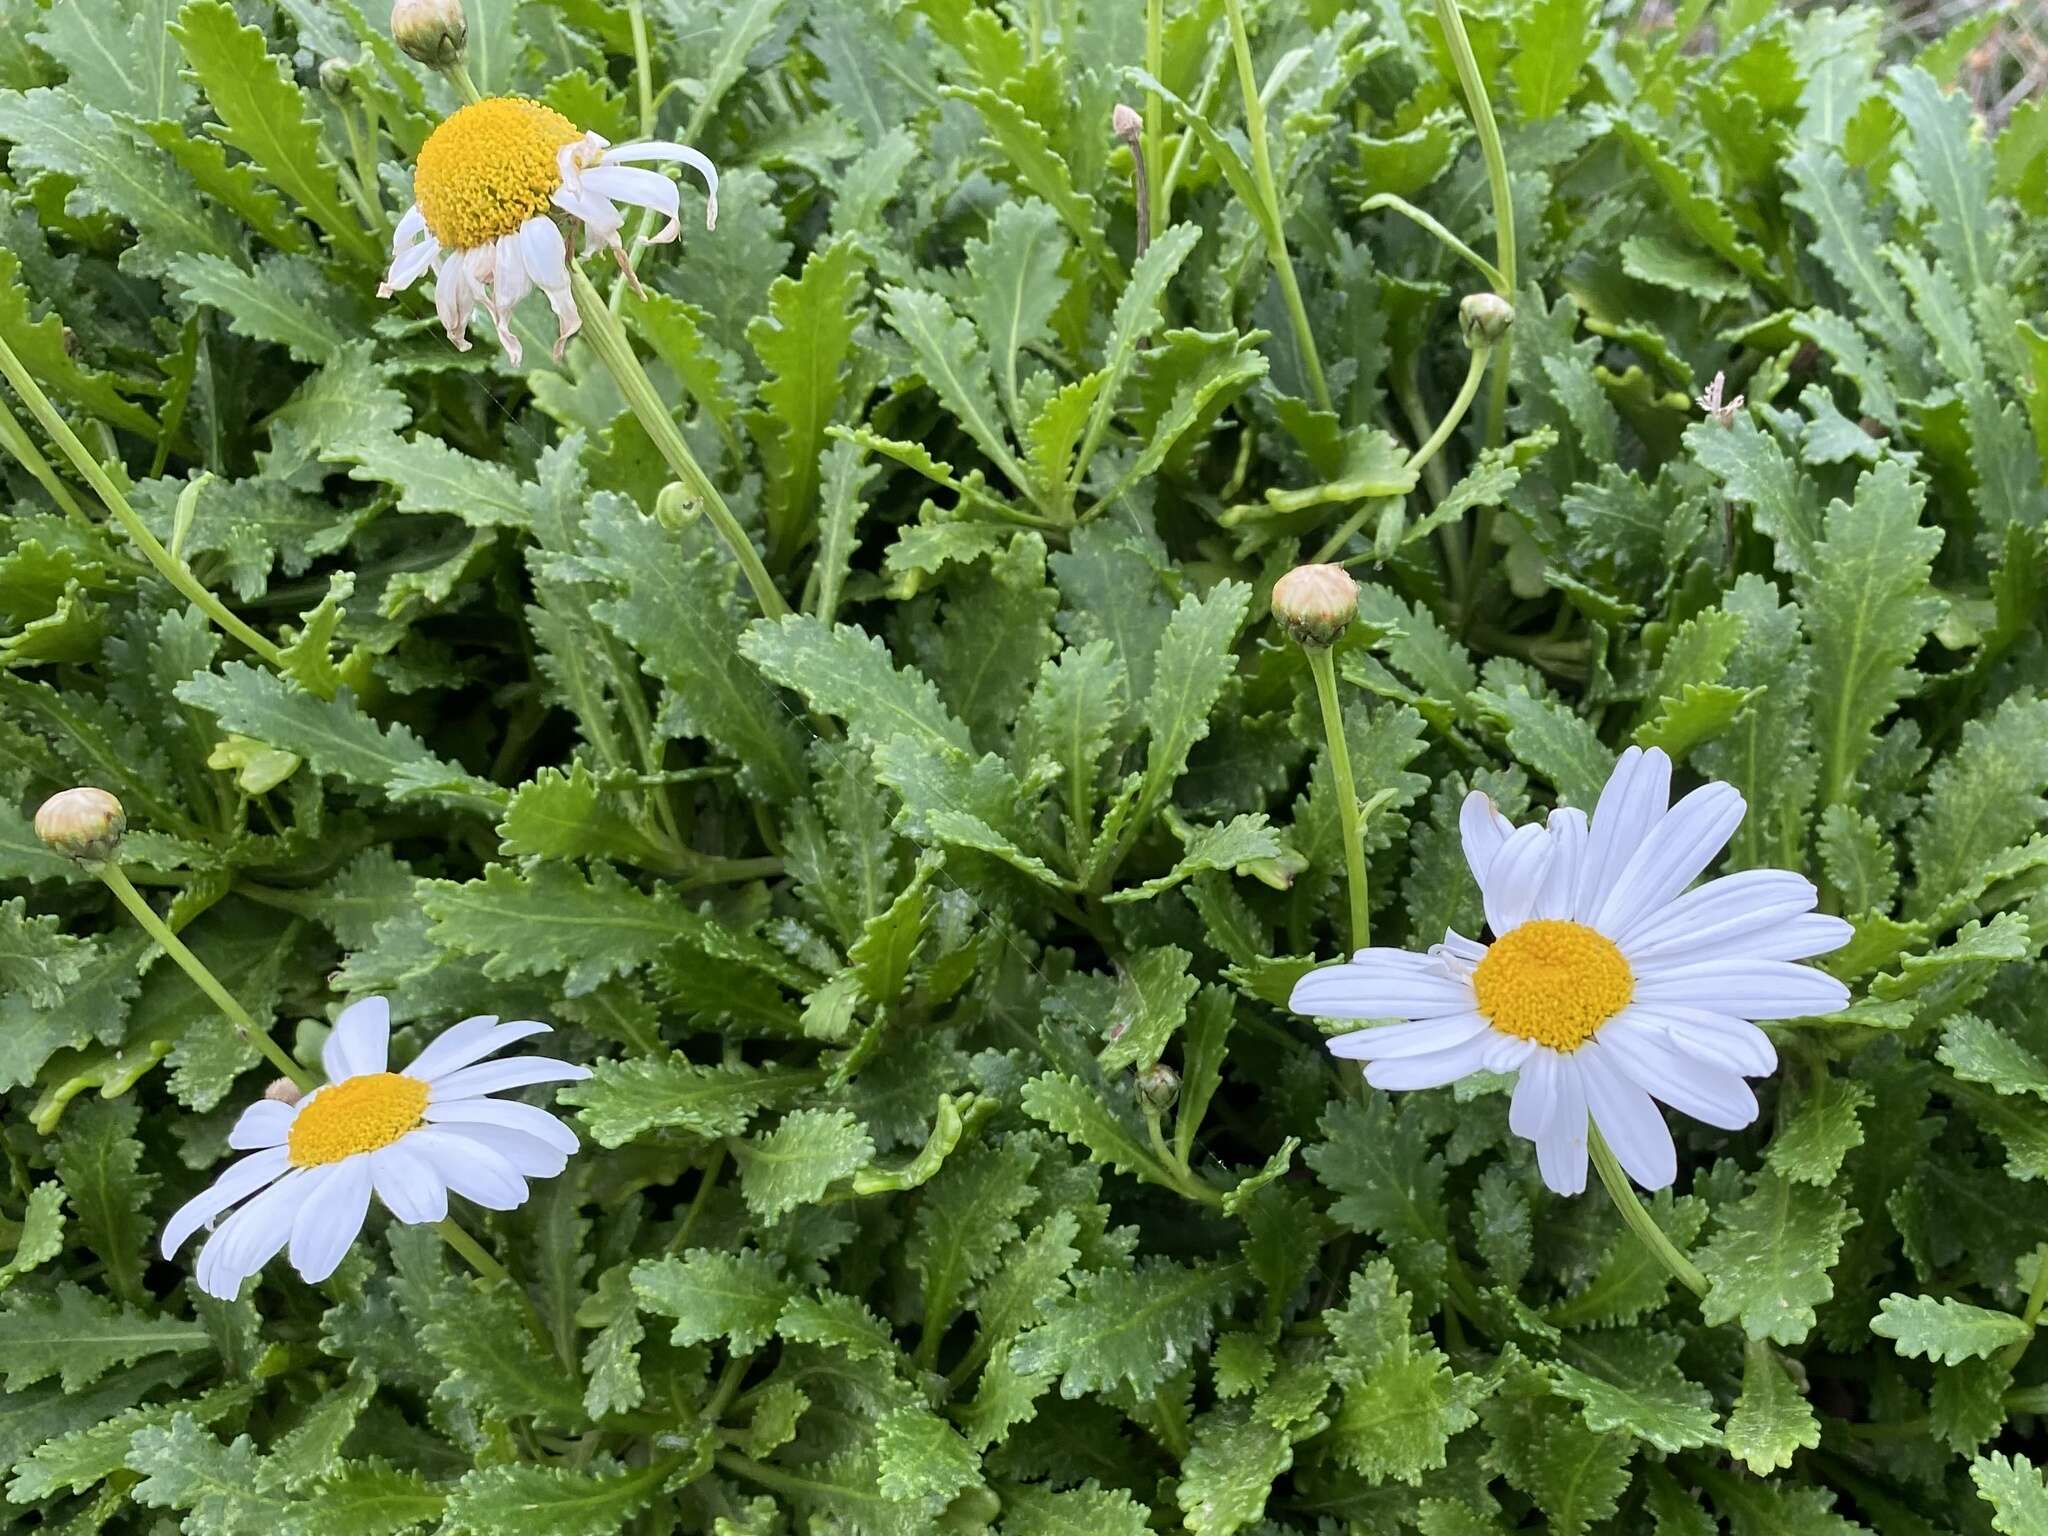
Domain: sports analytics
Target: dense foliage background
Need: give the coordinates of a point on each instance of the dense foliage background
(873, 919)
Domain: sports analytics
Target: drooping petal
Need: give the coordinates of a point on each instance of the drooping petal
(360, 1042)
(330, 1215)
(510, 1114)
(654, 149)
(641, 189)
(1631, 803)
(454, 299)
(1381, 984)
(1417, 1039)
(470, 1169)
(547, 263)
(238, 1182)
(1635, 1131)
(408, 1184)
(1746, 989)
(1674, 854)
(265, 1123)
(249, 1239)
(408, 262)
(1516, 878)
(1430, 1070)
(1709, 1094)
(1484, 830)
(497, 1076)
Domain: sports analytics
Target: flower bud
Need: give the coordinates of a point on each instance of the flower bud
(81, 823)
(675, 506)
(1315, 603)
(1485, 318)
(337, 78)
(1125, 123)
(1158, 1087)
(284, 1091)
(433, 31)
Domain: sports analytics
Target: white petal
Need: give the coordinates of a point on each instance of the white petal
(249, 1239)
(330, 1215)
(1381, 984)
(1417, 1039)
(508, 1113)
(1561, 1143)
(1709, 1094)
(1714, 911)
(1635, 1131)
(408, 1184)
(547, 261)
(454, 297)
(1484, 830)
(528, 1156)
(649, 149)
(238, 1182)
(642, 189)
(1746, 989)
(1803, 937)
(470, 1169)
(1535, 1095)
(497, 1076)
(360, 1042)
(265, 1123)
(1567, 829)
(1676, 852)
(1631, 803)
(407, 265)
(1732, 1044)
(411, 226)
(471, 1040)
(1458, 947)
(1515, 879)
(1434, 1069)
(1508, 1053)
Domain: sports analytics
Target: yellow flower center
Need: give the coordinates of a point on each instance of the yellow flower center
(488, 169)
(1552, 982)
(359, 1114)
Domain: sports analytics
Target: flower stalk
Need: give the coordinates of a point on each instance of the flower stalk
(1474, 85)
(1639, 1220)
(172, 569)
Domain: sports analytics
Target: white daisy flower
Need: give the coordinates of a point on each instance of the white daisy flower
(488, 186)
(1604, 988)
(410, 1136)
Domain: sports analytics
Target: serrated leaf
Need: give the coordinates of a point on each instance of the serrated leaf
(1767, 1264)
(73, 1335)
(712, 1295)
(551, 1501)
(1945, 1329)
(2014, 1489)
(804, 340)
(1136, 1328)
(626, 1099)
(795, 1163)
(1772, 1419)
(100, 1162)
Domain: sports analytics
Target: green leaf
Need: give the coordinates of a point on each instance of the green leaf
(626, 1099)
(493, 1360)
(552, 921)
(1552, 741)
(1230, 1469)
(1953, 164)
(1557, 37)
(285, 299)
(1575, 1475)
(1979, 1052)
(2014, 1489)
(733, 1296)
(795, 1163)
(1945, 1329)
(1152, 997)
(1772, 1418)
(77, 1337)
(551, 1501)
(1629, 1382)
(956, 366)
(265, 115)
(100, 1161)
(1868, 607)
(1017, 286)
(1400, 1404)
(923, 1457)
(334, 736)
(186, 1468)
(1858, 859)
(1767, 1264)
(1033, 1509)
(848, 673)
(39, 343)
(1756, 473)
(1983, 798)
(1194, 662)
(41, 1236)
(37, 958)
(805, 341)
(368, 1498)
(1825, 1127)
(1134, 1327)
(557, 815)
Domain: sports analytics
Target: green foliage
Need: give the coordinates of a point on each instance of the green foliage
(949, 1160)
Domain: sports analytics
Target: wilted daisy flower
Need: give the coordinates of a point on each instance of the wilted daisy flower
(410, 1136)
(1604, 986)
(488, 187)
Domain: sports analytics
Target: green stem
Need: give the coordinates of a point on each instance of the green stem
(1451, 242)
(1325, 672)
(2037, 1298)
(643, 68)
(1155, 113)
(176, 572)
(1276, 237)
(615, 350)
(1630, 1204)
(15, 439)
(1421, 458)
(458, 76)
(1467, 65)
(124, 891)
(485, 1263)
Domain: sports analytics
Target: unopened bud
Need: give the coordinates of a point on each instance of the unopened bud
(1315, 603)
(337, 79)
(1126, 124)
(1158, 1087)
(433, 31)
(1485, 318)
(675, 506)
(284, 1091)
(81, 823)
